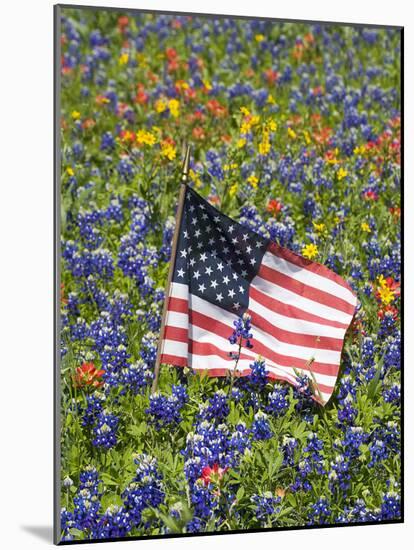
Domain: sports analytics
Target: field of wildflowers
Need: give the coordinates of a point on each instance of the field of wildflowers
(295, 132)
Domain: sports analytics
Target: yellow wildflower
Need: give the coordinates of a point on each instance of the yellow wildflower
(310, 251)
(253, 180)
(70, 171)
(264, 145)
(195, 177)
(160, 105)
(245, 111)
(365, 227)
(233, 189)
(142, 62)
(123, 58)
(319, 227)
(245, 128)
(228, 167)
(341, 174)
(291, 133)
(75, 115)
(207, 85)
(271, 124)
(168, 150)
(259, 37)
(241, 143)
(182, 85)
(385, 293)
(360, 150)
(270, 99)
(174, 107)
(307, 137)
(248, 123)
(146, 138)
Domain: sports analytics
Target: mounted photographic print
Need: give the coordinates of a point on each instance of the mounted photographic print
(228, 274)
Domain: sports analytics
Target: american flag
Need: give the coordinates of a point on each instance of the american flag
(300, 310)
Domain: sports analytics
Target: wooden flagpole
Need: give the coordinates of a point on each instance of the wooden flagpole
(178, 217)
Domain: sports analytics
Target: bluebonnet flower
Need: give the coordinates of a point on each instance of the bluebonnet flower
(258, 375)
(204, 500)
(136, 377)
(107, 142)
(289, 445)
(94, 406)
(368, 351)
(278, 402)
(346, 412)
(303, 388)
(392, 357)
(238, 443)
(217, 408)
(67, 523)
(112, 524)
(392, 394)
(319, 512)
(391, 506)
(242, 334)
(149, 349)
(105, 430)
(145, 490)
(165, 410)
(378, 451)
(195, 525)
(339, 475)
(359, 513)
(87, 500)
(352, 440)
(267, 506)
(261, 428)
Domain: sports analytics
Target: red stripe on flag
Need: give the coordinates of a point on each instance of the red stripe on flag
(178, 304)
(306, 291)
(174, 360)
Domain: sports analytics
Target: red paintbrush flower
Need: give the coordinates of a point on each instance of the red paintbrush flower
(212, 475)
(389, 309)
(395, 212)
(122, 23)
(88, 375)
(318, 90)
(88, 123)
(176, 24)
(171, 54)
(216, 108)
(274, 207)
(142, 96)
(271, 76)
(198, 133)
(323, 136)
(63, 299)
(370, 195)
(190, 94)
